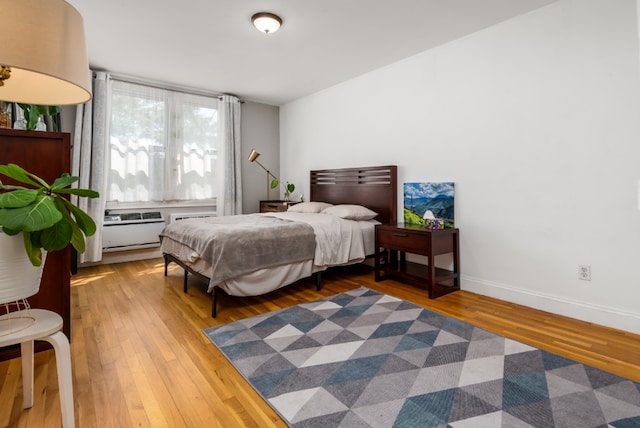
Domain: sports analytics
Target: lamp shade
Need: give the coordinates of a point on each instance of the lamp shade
(253, 155)
(43, 44)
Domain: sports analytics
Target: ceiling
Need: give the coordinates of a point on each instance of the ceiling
(211, 45)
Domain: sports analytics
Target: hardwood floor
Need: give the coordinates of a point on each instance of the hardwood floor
(140, 358)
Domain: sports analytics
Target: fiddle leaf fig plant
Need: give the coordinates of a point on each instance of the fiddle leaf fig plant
(47, 220)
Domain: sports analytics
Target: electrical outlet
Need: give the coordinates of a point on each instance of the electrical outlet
(584, 272)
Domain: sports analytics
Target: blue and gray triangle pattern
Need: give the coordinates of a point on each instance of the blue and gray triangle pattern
(366, 359)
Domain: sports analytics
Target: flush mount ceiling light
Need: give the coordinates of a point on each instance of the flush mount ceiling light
(266, 22)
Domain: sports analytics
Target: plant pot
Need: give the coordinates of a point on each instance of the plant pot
(19, 279)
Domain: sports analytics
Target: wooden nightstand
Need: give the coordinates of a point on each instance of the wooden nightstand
(275, 206)
(393, 241)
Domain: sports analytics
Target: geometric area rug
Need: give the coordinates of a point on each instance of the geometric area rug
(366, 359)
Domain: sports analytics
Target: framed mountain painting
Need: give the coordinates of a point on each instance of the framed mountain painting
(428, 200)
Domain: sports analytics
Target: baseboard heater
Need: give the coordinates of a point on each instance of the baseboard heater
(132, 231)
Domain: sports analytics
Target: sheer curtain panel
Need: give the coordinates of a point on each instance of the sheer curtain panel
(229, 200)
(89, 158)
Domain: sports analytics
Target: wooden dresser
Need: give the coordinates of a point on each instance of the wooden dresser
(48, 155)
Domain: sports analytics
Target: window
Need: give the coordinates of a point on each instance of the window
(162, 145)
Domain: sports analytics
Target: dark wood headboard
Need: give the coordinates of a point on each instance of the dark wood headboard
(374, 187)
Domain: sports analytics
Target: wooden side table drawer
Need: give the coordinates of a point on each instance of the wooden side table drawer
(402, 240)
(275, 206)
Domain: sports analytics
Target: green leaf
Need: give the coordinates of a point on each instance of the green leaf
(56, 237)
(63, 181)
(14, 171)
(10, 232)
(52, 110)
(42, 184)
(8, 187)
(37, 216)
(33, 251)
(18, 198)
(274, 183)
(290, 187)
(84, 221)
(87, 193)
(77, 238)
(32, 122)
(35, 238)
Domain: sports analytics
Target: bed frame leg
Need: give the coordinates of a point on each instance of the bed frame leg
(184, 284)
(318, 281)
(214, 302)
(166, 263)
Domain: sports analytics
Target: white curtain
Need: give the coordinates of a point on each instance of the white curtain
(89, 158)
(162, 145)
(229, 196)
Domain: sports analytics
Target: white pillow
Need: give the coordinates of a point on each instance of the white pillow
(308, 207)
(350, 212)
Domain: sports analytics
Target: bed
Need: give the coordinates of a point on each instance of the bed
(254, 254)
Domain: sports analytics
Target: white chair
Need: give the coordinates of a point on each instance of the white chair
(19, 280)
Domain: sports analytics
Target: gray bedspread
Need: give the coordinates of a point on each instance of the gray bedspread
(240, 244)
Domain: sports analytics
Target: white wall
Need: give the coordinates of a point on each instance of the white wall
(537, 121)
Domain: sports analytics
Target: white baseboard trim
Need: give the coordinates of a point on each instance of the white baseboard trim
(583, 311)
